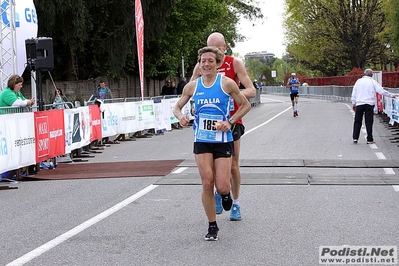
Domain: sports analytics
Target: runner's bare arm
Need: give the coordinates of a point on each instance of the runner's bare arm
(231, 88)
(186, 96)
(196, 72)
(243, 77)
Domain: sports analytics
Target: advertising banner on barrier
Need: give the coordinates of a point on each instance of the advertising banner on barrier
(95, 123)
(172, 103)
(159, 118)
(380, 104)
(17, 141)
(68, 129)
(395, 110)
(166, 113)
(186, 110)
(128, 118)
(146, 115)
(110, 118)
(77, 129)
(49, 133)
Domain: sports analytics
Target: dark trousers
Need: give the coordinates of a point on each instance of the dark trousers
(368, 111)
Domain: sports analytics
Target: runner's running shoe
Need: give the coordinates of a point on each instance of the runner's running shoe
(227, 202)
(212, 234)
(219, 207)
(235, 214)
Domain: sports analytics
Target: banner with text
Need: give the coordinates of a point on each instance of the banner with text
(17, 141)
(49, 134)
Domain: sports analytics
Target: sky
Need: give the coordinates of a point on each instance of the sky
(268, 36)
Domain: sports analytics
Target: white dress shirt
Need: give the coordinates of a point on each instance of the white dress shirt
(364, 91)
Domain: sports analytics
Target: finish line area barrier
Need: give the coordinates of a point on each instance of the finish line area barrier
(29, 137)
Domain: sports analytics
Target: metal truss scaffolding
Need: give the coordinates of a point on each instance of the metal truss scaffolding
(8, 42)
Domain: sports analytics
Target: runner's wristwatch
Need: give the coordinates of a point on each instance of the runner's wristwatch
(231, 120)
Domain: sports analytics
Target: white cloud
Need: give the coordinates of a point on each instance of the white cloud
(267, 36)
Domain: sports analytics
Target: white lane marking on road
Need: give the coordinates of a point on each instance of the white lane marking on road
(373, 146)
(83, 226)
(389, 171)
(264, 123)
(380, 155)
(181, 169)
(349, 107)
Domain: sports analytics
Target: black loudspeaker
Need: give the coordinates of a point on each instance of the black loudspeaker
(39, 53)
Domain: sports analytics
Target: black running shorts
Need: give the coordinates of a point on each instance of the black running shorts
(238, 130)
(219, 150)
(293, 95)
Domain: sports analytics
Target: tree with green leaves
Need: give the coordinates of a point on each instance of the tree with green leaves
(97, 37)
(188, 26)
(336, 35)
(391, 8)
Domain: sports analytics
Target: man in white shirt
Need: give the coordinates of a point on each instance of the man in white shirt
(363, 101)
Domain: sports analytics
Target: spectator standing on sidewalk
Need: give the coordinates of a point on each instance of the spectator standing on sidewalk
(167, 88)
(12, 96)
(60, 100)
(180, 86)
(363, 101)
(103, 92)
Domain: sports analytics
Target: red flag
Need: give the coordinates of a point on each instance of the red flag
(140, 42)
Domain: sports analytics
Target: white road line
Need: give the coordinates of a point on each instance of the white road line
(74, 231)
(389, 171)
(181, 169)
(264, 123)
(380, 156)
(373, 146)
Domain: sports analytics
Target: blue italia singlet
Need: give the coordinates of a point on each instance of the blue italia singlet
(292, 82)
(212, 104)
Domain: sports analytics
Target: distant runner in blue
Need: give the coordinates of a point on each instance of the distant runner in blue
(213, 139)
(293, 84)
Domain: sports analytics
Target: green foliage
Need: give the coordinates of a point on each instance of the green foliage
(391, 9)
(395, 22)
(97, 37)
(336, 35)
(254, 67)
